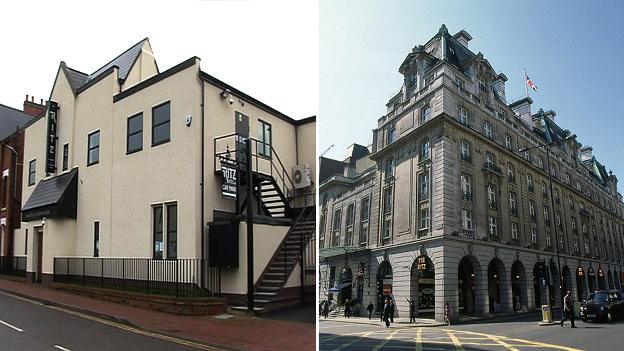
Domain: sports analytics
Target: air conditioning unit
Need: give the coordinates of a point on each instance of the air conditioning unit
(301, 176)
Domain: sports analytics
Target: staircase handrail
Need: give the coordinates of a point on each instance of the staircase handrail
(287, 185)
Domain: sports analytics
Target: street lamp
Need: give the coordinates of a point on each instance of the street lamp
(552, 199)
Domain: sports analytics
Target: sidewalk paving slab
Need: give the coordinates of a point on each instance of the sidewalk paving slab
(241, 332)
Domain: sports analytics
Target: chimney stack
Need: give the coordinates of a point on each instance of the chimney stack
(499, 85)
(32, 108)
(522, 109)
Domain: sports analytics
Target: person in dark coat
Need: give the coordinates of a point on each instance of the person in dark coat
(391, 311)
(347, 310)
(370, 308)
(568, 309)
(326, 309)
(412, 310)
(386, 313)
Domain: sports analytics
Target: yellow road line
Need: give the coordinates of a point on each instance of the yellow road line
(418, 346)
(542, 344)
(456, 342)
(385, 341)
(138, 331)
(352, 341)
(504, 344)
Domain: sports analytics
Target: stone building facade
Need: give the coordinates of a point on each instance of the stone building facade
(461, 208)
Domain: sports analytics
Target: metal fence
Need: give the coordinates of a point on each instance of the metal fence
(187, 277)
(15, 266)
(309, 261)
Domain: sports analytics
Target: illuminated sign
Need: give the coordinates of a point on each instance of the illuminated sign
(229, 185)
(51, 138)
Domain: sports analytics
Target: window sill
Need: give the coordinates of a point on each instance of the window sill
(161, 142)
(129, 152)
(93, 163)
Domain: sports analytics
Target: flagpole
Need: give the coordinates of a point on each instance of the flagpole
(526, 84)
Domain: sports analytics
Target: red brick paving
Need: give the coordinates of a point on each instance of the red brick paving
(240, 332)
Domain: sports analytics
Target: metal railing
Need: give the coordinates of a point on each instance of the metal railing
(14, 266)
(179, 277)
(268, 164)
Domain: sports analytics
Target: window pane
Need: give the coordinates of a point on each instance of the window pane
(65, 156)
(172, 231)
(158, 233)
(160, 133)
(94, 140)
(135, 142)
(94, 156)
(135, 124)
(160, 114)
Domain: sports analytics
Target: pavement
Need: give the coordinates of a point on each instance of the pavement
(239, 332)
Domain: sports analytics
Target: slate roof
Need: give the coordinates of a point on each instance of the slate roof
(50, 191)
(11, 120)
(124, 62)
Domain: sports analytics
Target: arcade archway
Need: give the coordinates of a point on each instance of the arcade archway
(519, 286)
(581, 287)
(422, 286)
(602, 282)
(384, 283)
(468, 268)
(496, 277)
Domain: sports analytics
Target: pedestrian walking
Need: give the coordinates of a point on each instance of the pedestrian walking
(412, 310)
(568, 309)
(326, 309)
(391, 311)
(347, 309)
(370, 308)
(386, 313)
(447, 313)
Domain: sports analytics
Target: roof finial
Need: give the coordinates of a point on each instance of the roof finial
(443, 29)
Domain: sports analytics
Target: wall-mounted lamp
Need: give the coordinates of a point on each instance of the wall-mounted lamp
(43, 221)
(227, 94)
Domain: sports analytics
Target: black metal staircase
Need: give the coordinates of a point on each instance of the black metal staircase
(274, 196)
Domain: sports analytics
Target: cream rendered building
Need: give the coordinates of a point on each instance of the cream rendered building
(137, 147)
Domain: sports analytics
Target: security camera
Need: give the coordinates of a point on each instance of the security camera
(231, 101)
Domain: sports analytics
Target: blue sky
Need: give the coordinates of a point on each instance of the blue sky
(573, 52)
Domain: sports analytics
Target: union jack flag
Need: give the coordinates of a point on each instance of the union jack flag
(529, 82)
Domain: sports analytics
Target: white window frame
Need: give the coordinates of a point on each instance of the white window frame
(487, 127)
(514, 230)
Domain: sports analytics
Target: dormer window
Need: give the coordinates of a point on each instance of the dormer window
(482, 85)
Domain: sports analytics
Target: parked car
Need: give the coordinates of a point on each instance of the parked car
(603, 305)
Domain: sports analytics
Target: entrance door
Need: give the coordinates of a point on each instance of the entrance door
(39, 253)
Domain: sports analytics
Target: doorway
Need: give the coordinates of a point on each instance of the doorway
(38, 250)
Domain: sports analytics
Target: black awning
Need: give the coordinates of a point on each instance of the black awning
(339, 287)
(53, 198)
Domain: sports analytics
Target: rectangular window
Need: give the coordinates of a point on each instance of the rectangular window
(514, 230)
(93, 153)
(336, 227)
(134, 139)
(491, 192)
(532, 210)
(533, 236)
(488, 130)
(467, 221)
(323, 223)
(32, 170)
(391, 135)
(512, 204)
(65, 156)
(96, 239)
(424, 186)
(548, 242)
(424, 219)
(466, 187)
(161, 126)
(425, 113)
(158, 232)
(364, 216)
(387, 216)
(463, 116)
(508, 142)
(172, 231)
(464, 149)
(492, 227)
(349, 224)
(265, 137)
(5, 191)
(424, 150)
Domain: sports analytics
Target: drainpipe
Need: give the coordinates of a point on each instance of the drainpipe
(201, 186)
